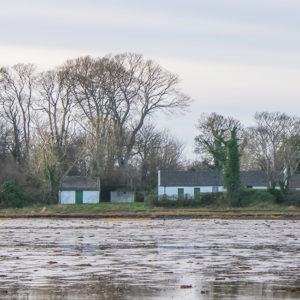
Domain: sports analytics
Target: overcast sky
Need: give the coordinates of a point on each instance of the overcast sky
(234, 57)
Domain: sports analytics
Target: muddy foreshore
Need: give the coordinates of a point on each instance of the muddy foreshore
(131, 259)
(176, 214)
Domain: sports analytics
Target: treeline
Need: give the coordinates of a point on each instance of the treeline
(91, 117)
(271, 145)
(96, 117)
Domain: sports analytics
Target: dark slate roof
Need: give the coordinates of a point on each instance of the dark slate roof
(208, 178)
(253, 178)
(190, 178)
(71, 183)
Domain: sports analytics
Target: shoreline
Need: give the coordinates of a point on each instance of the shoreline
(272, 215)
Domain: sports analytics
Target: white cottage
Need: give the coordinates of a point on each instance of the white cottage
(79, 190)
(189, 183)
(192, 183)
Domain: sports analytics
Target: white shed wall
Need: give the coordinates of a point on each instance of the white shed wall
(121, 197)
(67, 197)
(90, 197)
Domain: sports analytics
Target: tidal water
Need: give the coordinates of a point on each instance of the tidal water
(149, 259)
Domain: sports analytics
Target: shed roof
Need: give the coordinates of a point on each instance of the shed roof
(209, 178)
(71, 183)
(253, 178)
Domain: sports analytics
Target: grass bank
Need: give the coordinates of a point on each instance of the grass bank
(144, 210)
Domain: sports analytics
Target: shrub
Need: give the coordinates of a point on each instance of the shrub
(185, 201)
(151, 199)
(11, 195)
(140, 196)
(293, 198)
(252, 197)
(215, 199)
(278, 195)
(261, 199)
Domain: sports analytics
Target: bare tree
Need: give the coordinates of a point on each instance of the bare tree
(5, 136)
(268, 139)
(147, 89)
(214, 130)
(16, 98)
(117, 94)
(288, 160)
(156, 150)
(91, 79)
(55, 128)
(148, 144)
(57, 103)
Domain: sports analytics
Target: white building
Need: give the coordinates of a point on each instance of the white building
(79, 190)
(191, 183)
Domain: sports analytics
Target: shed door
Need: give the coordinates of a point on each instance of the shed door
(78, 197)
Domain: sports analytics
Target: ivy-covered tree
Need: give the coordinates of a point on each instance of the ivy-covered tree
(231, 171)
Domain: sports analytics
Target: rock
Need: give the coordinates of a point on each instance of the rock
(184, 286)
(84, 265)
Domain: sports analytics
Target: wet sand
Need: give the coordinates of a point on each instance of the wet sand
(149, 259)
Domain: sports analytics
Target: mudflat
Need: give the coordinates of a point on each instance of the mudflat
(140, 258)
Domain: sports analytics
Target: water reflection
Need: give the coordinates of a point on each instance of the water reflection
(149, 259)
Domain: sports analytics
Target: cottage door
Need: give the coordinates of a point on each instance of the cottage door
(196, 193)
(78, 197)
(180, 192)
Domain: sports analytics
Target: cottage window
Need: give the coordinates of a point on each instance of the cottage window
(215, 189)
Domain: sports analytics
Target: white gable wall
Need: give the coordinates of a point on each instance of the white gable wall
(90, 197)
(121, 197)
(67, 197)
